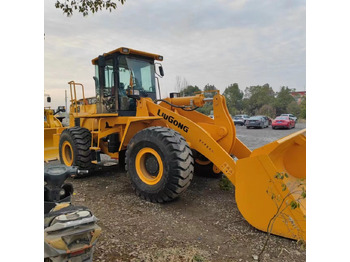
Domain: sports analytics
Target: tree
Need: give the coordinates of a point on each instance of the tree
(86, 6)
(267, 110)
(208, 106)
(293, 108)
(234, 98)
(283, 99)
(189, 90)
(206, 109)
(209, 88)
(303, 108)
(256, 97)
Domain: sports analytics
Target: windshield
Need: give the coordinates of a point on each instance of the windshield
(136, 73)
(282, 118)
(255, 118)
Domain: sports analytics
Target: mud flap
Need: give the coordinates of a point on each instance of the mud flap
(271, 187)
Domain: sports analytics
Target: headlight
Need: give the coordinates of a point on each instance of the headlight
(125, 50)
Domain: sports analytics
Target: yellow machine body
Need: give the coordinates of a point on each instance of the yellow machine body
(263, 198)
(261, 194)
(52, 130)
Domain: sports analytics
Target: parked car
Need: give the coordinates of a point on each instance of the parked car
(269, 120)
(283, 122)
(257, 121)
(240, 119)
(291, 116)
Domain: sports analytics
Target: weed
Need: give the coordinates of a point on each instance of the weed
(225, 184)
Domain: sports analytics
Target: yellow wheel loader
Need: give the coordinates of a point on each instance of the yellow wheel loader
(52, 129)
(161, 140)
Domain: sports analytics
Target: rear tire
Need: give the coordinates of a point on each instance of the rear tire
(159, 163)
(74, 148)
(204, 167)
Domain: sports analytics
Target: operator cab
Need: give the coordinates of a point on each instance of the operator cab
(121, 77)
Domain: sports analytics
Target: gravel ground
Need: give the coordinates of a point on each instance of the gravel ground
(204, 224)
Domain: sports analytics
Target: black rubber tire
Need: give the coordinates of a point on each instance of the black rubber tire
(121, 161)
(205, 170)
(79, 139)
(176, 158)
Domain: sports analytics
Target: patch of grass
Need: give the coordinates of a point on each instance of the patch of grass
(225, 184)
(197, 258)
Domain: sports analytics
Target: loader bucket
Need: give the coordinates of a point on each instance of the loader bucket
(51, 140)
(269, 199)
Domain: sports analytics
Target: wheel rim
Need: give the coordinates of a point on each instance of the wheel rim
(202, 162)
(149, 166)
(67, 153)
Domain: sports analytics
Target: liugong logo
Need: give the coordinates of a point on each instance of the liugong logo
(173, 121)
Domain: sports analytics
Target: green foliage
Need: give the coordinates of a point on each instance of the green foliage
(86, 6)
(189, 90)
(206, 109)
(283, 99)
(302, 113)
(197, 258)
(225, 184)
(281, 175)
(297, 191)
(257, 96)
(293, 108)
(255, 100)
(209, 88)
(267, 110)
(234, 98)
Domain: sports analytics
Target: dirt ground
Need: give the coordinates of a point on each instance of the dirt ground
(204, 224)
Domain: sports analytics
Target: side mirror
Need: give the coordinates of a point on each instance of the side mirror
(48, 99)
(161, 71)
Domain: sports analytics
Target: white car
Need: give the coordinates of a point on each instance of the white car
(240, 119)
(291, 116)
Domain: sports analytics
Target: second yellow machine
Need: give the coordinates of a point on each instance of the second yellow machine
(163, 142)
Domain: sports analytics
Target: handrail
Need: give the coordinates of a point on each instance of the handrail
(74, 99)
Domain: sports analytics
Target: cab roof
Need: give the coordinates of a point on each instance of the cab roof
(125, 50)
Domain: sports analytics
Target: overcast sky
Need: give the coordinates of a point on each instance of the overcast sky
(205, 42)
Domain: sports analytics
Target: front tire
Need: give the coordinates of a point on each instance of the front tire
(159, 163)
(74, 148)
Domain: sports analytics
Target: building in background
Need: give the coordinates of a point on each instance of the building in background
(298, 96)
